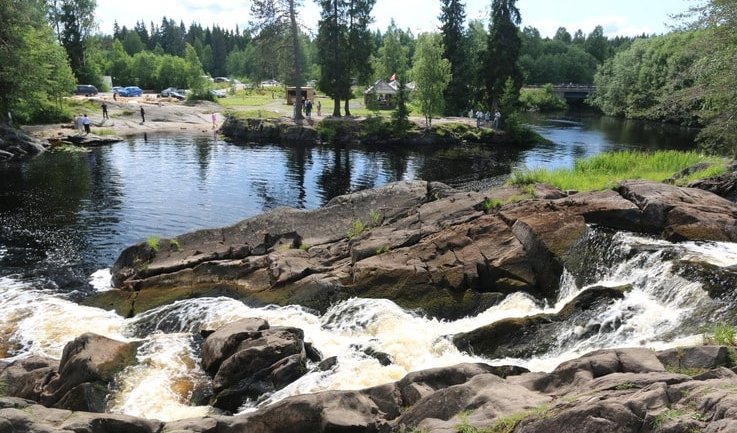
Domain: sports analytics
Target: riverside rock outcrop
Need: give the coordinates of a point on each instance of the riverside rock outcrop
(17, 145)
(79, 381)
(422, 245)
(633, 390)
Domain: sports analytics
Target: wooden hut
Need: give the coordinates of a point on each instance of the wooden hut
(307, 93)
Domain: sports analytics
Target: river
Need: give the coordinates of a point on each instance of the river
(67, 215)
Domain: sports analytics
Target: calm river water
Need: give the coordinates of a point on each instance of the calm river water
(65, 215)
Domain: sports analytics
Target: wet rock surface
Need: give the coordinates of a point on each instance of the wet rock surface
(248, 359)
(619, 390)
(422, 245)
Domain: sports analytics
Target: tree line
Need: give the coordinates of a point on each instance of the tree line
(680, 77)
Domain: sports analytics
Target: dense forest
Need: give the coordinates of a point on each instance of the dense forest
(686, 76)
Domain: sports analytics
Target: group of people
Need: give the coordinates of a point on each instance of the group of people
(82, 124)
(307, 106)
(485, 118)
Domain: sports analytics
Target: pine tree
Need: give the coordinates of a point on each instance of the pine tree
(344, 46)
(276, 17)
(452, 19)
(502, 51)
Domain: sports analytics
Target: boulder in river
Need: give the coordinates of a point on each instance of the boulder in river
(248, 359)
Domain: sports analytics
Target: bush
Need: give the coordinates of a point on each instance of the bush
(541, 99)
(38, 112)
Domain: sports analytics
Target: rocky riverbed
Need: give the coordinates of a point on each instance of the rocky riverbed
(439, 251)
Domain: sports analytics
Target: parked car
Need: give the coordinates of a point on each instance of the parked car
(217, 93)
(86, 90)
(130, 91)
(221, 80)
(173, 92)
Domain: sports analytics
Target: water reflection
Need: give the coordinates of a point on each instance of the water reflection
(579, 134)
(65, 215)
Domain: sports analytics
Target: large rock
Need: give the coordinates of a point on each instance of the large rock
(88, 365)
(267, 131)
(16, 145)
(17, 415)
(25, 378)
(619, 390)
(724, 185)
(682, 213)
(422, 245)
(247, 359)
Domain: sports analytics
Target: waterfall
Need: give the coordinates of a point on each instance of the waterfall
(167, 377)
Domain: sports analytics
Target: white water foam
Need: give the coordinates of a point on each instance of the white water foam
(36, 322)
(161, 385)
(168, 372)
(102, 280)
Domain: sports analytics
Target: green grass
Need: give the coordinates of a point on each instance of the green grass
(603, 171)
(357, 227)
(505, 424)
(667, 416)
(104, 131)
(722, 335)
(251, 98)
(491, 204)
(153, 243)
(254, 114)
(174, 245)
(80, 106)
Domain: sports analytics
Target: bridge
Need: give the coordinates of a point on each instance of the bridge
(572, 93)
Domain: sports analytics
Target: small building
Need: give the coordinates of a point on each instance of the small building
(382, 95)
(307, 93)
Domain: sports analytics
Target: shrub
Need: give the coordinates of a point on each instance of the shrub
(357, 227)
(541, 99)
(153, 243)
(723, 335)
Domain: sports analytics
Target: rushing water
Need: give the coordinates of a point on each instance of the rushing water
(66, 217)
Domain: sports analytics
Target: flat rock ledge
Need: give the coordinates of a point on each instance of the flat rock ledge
(629, 390)
(422, 245)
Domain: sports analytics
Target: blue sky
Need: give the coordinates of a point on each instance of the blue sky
(617, 17)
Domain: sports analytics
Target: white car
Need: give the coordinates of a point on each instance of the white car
(217, 93)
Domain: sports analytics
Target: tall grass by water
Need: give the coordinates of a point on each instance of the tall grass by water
(603, 171)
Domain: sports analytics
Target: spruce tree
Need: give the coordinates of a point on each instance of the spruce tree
(400, 115)
(452, 19)
(502, 51)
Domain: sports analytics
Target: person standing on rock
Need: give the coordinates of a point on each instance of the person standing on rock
(104, 111)
(214, 120)
(86, 124)
(319, 109)
(79, 125)
(143, 115)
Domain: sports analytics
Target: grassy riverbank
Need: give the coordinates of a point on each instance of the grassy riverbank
(605, 170)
